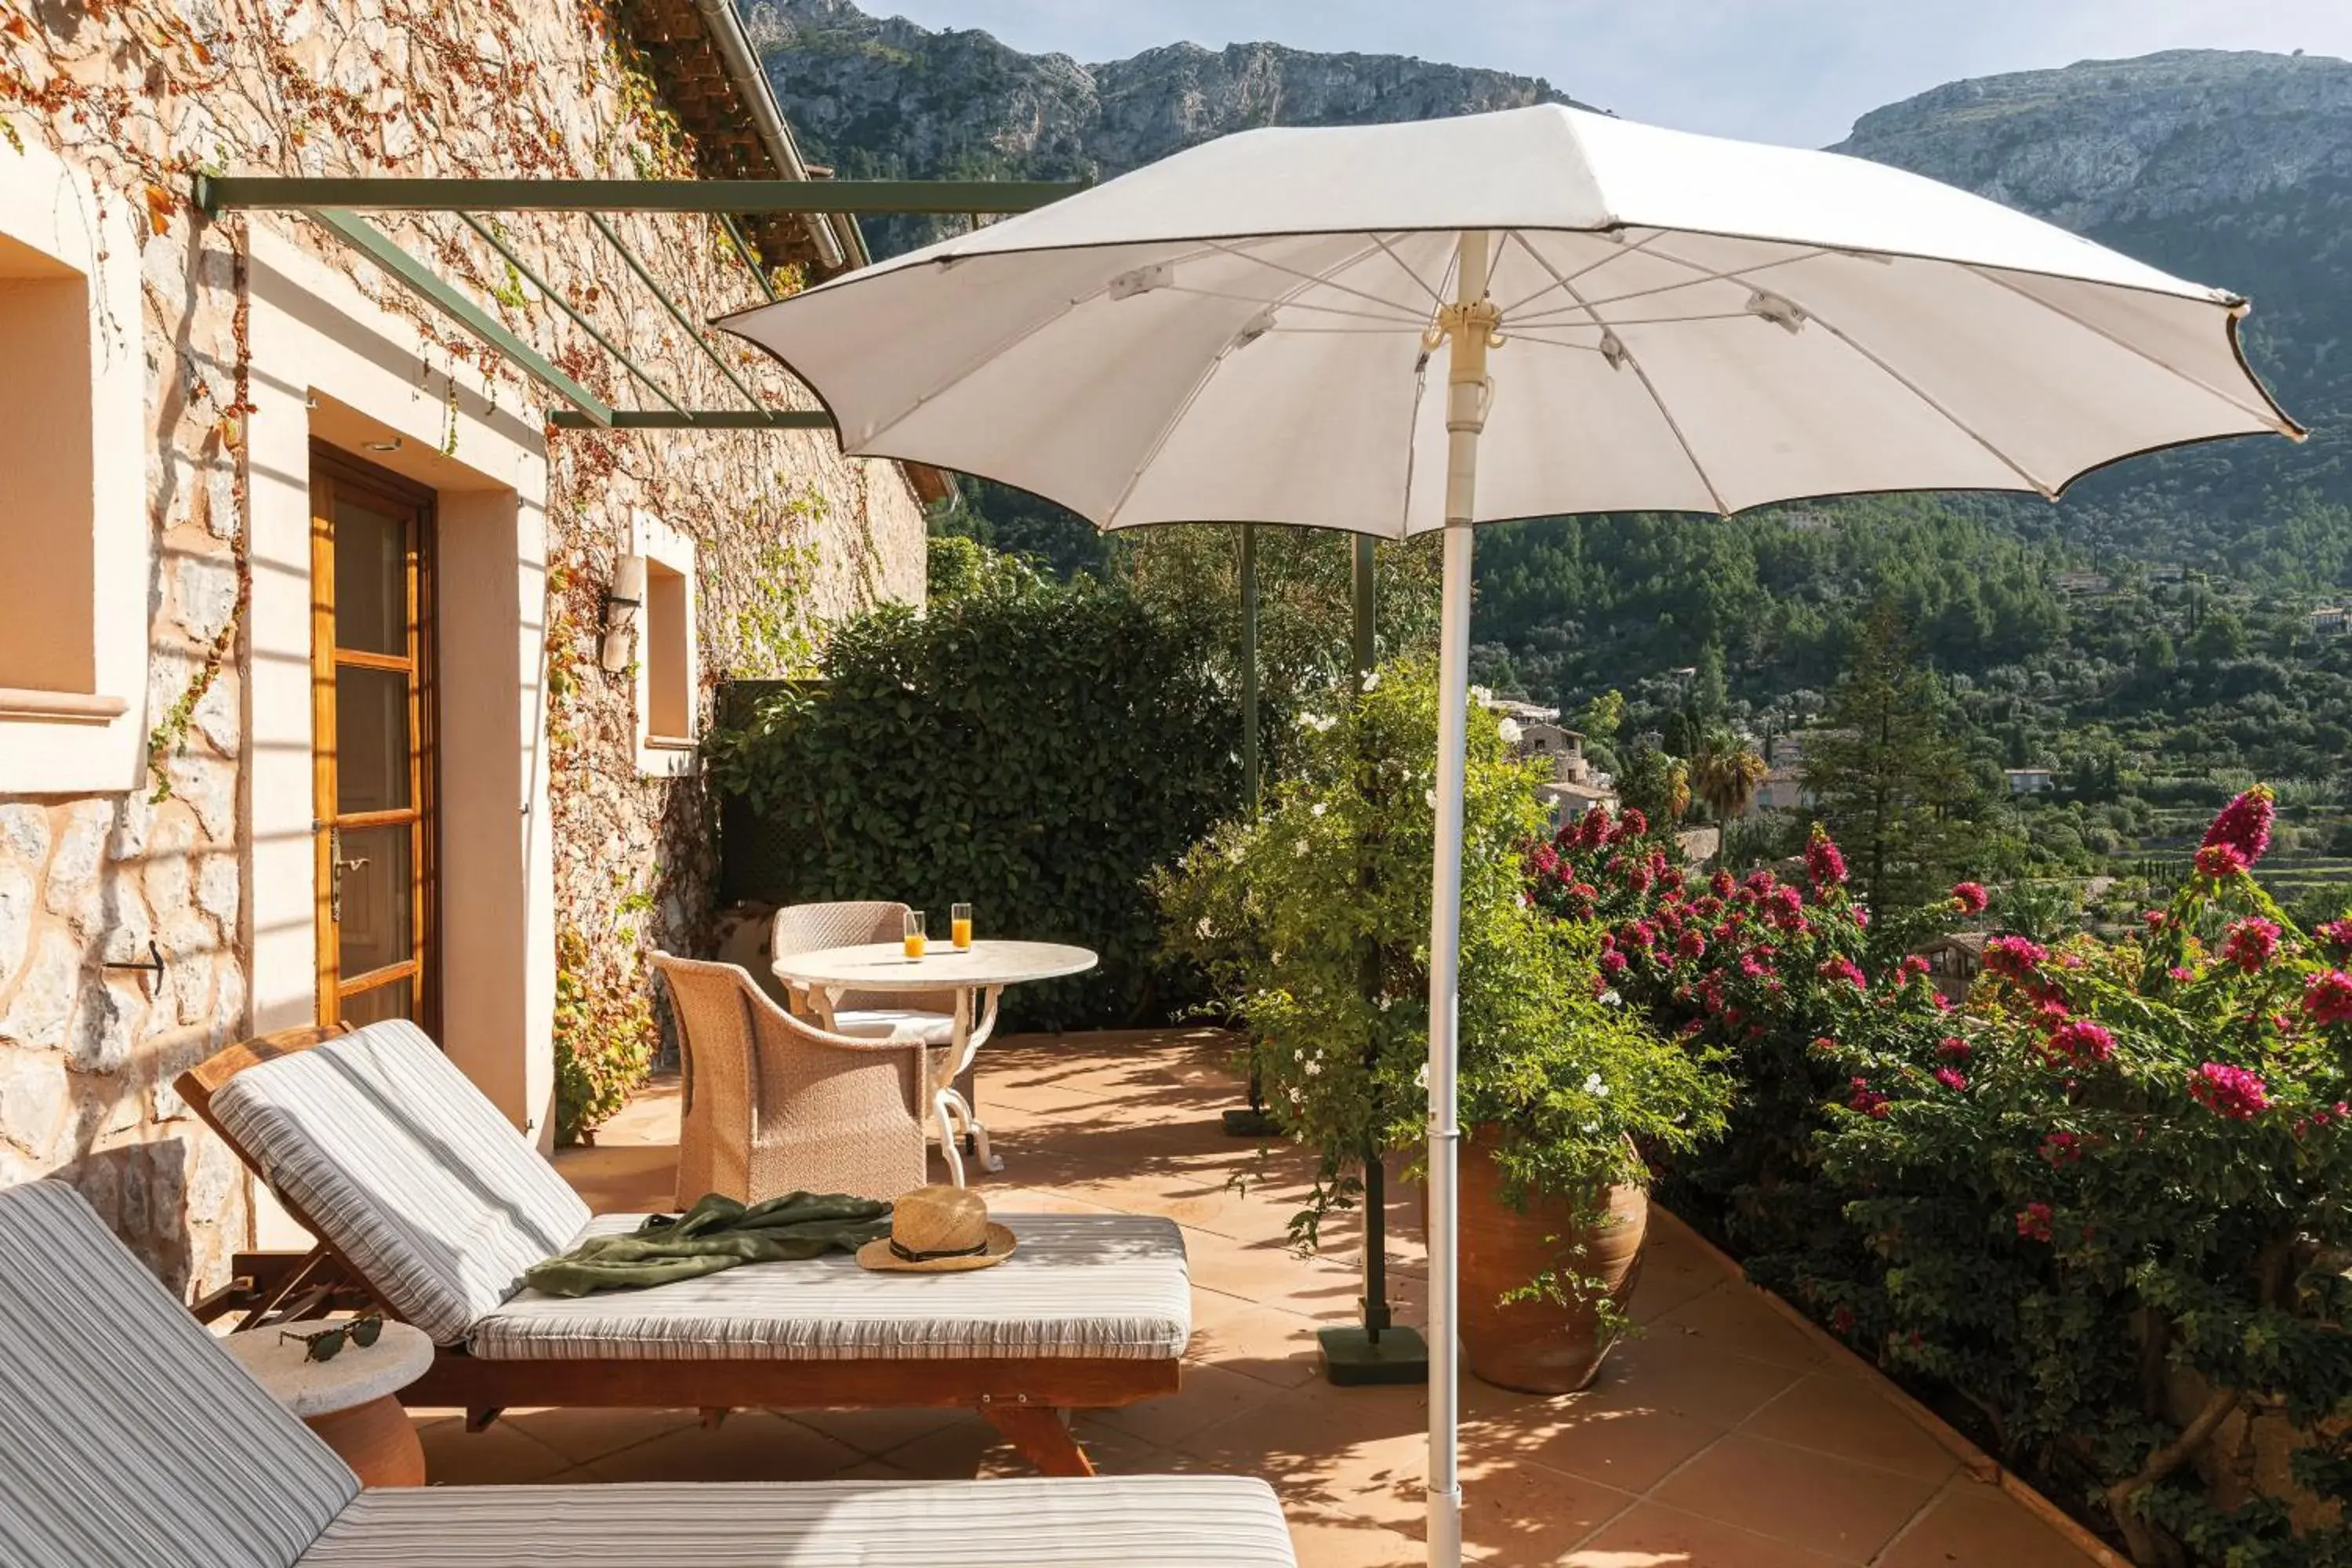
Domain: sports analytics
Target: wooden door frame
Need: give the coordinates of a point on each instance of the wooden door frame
(333, 469)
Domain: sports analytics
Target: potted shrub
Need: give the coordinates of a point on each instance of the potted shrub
(1313, 921)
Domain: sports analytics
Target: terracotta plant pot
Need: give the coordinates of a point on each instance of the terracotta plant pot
(1536, 1344)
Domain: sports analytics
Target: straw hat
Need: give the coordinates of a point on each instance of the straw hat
(938, 1230)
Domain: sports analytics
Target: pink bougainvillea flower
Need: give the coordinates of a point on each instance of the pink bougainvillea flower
(1842, 1319)
(2222, 861)
(1846, 969)
(1613, 962)
(2329, 997)
(1953, 1048)
(1867, 1100)
(2033, 1222)
(1952, 1078)
(1631, 824)
(2251, 942)
(2082, 1041)
(2181, 974)
(2230, 1091)
(1690, 944)
(1825, 1045)
(1751, 967)
(1722, 883)
(2244, 825)
(2014, 956)
(2337, 934)
(1862, 916)
(1970, 898)
(1823, 862)
(2062, 1147)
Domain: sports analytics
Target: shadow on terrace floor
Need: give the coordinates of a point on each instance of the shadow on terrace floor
(1720, 1438)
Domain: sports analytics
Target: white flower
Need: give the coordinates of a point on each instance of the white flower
(1372, 680)
(1610, 999)
(1482, 694)
(1318, 808)
(1299, 849)
(1421, 1077)
(1592, 1127)
(1510, 730)
(1205, 929)
(1592, 1083)
(1431, 797)
(1315, 721)
(1384, 1003)
(1314, 1070)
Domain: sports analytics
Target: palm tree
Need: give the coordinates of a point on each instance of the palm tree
(1724, 772)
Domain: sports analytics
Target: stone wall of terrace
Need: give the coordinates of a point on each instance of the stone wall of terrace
(136, 96)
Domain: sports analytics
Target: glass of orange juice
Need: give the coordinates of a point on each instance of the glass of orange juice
(960, 927)
(916, 941)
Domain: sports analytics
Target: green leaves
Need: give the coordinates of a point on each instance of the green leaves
(1033, 750)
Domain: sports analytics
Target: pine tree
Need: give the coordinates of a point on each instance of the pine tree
(1889, 776)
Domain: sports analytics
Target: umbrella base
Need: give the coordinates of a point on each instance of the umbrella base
(1250, 1122)
(1352, 1358)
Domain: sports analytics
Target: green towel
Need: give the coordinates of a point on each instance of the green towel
(715, 1234)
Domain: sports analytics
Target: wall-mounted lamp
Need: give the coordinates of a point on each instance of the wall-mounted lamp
(623, 600)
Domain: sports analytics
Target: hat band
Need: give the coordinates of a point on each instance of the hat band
(905, 1254)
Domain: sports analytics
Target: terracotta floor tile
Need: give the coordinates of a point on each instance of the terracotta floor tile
(1838, 1412)
(501, 1456)
(1266, 1270)
(1324, 1538)
(581, 1434)
(752, 1445)
(1522, 1513)
(1973, 1523)
(876, 1431)
(1617, 1439)
(1651, 1535)
(1674, 1271)
(953, 1452)
(1686, 1373)
(1210, 1394)
(1797, 1495)
(1261, 1341)
(1361, 1451)
(1737, 1318)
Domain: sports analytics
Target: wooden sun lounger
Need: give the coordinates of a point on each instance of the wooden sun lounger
(1028, 1398)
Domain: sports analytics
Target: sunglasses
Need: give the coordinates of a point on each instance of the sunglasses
(327, 1343)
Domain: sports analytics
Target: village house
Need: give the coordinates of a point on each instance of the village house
(2029, 781)
(1575, 786)
(339, 682)
(2329, 621)
(1953, 963)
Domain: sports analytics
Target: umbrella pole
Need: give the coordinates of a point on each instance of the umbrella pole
(1469, 323)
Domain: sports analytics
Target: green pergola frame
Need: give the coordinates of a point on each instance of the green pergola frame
(338, 205)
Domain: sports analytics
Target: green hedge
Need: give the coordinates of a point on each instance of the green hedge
(1036, 751)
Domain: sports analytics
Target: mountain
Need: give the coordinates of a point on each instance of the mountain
(884, 99)
(2230, 168)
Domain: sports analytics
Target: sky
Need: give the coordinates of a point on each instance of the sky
(1795, 71)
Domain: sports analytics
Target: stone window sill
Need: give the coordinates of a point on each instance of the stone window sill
(31, 704)
(668, 742)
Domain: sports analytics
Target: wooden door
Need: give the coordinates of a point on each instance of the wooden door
(371, 753)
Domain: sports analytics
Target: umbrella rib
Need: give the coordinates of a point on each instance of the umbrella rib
(2266, 415)
(1435, 298)
(1322, 281)
(1413, 323)
(1729, 275)
(1690, 454)
(1617, 254)
(1167, 431)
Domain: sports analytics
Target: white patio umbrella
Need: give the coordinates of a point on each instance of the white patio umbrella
(1633, 318)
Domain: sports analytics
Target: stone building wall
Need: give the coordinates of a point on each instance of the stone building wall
(140, 94)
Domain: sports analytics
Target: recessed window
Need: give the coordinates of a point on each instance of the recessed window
(669, 698)
(667, 672)
(75, 544)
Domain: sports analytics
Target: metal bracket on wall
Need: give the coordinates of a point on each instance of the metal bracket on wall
(152, 967)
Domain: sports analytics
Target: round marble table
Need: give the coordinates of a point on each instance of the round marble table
(351, 1401)
(982, 970)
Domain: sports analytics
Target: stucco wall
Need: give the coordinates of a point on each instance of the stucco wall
(788, 533)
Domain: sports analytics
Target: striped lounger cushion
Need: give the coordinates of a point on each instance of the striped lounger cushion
(126, 1435)
(1112, 1285)
(407, 1168)
(1138, 1522)
(130, 1440)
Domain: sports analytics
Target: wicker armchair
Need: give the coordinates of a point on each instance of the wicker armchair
(774, 1104)
(929, 1016)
